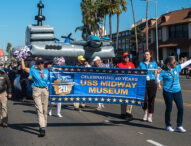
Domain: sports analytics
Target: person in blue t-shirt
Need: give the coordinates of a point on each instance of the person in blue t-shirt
(172, 90)
(40, 77)
(151, 86)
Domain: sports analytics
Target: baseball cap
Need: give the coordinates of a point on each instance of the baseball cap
(39, 61)
(81, 58)
(125, 54)
(96, 58)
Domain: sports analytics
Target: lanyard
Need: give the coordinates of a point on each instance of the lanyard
(147, 66)
(173, 78)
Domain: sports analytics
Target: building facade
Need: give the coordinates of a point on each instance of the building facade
(174, 32)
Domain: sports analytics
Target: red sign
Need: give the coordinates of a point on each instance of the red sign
(1, 52)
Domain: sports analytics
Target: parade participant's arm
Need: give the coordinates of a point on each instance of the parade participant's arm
(30, 74)
(9, 90)
(24, 67)
(158, 82)
(185, 64)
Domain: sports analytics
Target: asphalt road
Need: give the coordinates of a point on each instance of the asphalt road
(90, 127)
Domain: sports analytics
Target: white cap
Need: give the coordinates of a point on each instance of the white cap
(96, 58)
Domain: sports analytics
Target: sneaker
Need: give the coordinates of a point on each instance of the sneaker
(59, 115)
(99, 108)
(150, 120)
(180, 129)
(4, 125)
(169, 128)
(102, 105)
(50, 113)
(145, 117)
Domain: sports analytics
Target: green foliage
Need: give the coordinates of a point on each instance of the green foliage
(85, 31)
(94, 11)
(8, 50)
(140, 37)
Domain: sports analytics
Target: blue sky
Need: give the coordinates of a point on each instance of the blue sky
(65, 16)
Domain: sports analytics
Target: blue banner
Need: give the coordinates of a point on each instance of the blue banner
(97, 85)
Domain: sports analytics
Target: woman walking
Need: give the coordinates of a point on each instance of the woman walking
(151, 86)
(172, 91)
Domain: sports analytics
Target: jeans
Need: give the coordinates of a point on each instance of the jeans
(168, 98)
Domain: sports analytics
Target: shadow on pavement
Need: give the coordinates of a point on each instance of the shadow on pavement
(30, 112)
(32, 127)
(25, 128)
(24, 103)
(130, 122)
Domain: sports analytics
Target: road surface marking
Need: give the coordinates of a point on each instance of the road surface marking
(154, 142)
(162, 100)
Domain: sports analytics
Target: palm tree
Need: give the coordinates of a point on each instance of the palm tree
(8, 50)
(121, 6)
(85, 31)
(89, 14)
(147, 31)
(112, 5)
(135, 28)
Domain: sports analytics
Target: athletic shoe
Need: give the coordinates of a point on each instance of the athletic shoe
(150, 120)
(50, 113)
(169, 128)
(145, 117)
(59, 115)
(4, 125)
(180, 129)
(99, 108)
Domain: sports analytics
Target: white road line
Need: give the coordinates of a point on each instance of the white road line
(154, 142)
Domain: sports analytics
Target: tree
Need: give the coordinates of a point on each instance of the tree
(112, 5)
(135, 28)
(147, 29)
(91, 17)
(120, 7)
(8, 50)
(132, 37)
(85, 31)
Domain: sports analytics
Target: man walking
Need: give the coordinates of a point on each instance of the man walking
(40, 77)
(98, 63)
(81, 62)
(126, 110)
(5, 86)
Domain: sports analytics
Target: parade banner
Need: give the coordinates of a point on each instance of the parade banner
(97, 85)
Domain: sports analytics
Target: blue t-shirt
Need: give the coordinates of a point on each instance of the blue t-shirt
(170, 79)
(38, 81)
(151, 65)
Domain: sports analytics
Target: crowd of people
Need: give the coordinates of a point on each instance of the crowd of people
(38, 74)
